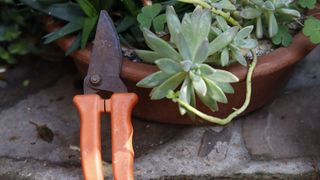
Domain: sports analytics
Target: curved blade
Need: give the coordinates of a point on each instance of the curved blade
(106, 59)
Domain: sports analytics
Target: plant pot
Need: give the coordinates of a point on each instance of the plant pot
(270, 77)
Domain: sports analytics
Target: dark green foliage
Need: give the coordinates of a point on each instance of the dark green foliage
(13, 24)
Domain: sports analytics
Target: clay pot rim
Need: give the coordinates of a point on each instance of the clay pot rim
(267, 64)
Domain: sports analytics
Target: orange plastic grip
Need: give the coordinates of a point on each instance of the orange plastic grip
(90, 108)
(121, 106)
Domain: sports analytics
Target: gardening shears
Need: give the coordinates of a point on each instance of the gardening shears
(104, 76)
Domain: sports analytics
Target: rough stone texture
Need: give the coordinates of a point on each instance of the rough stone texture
(40, 74)
(287, 128)
(28, 169)
(307, 72)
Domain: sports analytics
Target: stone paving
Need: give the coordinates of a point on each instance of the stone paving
(281, 140)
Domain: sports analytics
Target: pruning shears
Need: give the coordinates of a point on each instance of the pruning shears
(104, 76)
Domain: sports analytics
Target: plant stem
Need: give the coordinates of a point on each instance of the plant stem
(237, 111)
(223, 14)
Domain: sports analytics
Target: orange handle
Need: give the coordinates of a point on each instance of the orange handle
(90, 108)
(121, 106)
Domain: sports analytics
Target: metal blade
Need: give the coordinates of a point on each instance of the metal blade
(106, 59)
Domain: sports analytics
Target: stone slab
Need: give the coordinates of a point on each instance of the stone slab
(287, 128)
(53, 107)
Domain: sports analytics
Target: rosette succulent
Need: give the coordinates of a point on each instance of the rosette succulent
(229, 43)
(266, 12)
(181, 62)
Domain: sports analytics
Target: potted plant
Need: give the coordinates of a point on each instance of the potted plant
(202, 59)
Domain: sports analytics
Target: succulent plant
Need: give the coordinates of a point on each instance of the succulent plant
(230, 43)
(185, 66)
(267, 11)
(222, 4)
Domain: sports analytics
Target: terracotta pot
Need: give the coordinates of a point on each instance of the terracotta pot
(270, 77)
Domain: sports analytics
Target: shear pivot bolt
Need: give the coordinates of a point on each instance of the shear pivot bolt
(95, 79)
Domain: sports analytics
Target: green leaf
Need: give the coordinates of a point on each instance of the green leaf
(159, 22)
(215, 92)
(272, 24)
(4, 54)
(310, 4)
(131, 7)
(244, 32)
(65, 11)
(222, 76)
(87, 8)
(290, 12)
(198, 84)
(250, 13)
(153, 80)
(312, 29)
(268, 5)
(148, 56)
(225, 87)
(20, 47)
(209, 102)
(187, 95)
(246, 43)
(259, 28)
(65, 30)
(183, 47)
(186, 65)
(168, 66)
(206, 70)
(170, 84)
(160, 46)
(196, 27)
(224, 4)
(9, 33)
(144, 21)
(236, 53)
(222, 23)
(151, 11)
(149, 16)
(173, 23)
(224, 57)
(283, 37)
(202, 53)
(222, 40)
(125, 24)
(87, 28)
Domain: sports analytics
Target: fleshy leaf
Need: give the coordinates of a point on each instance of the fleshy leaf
(259, 28)
(168, 66)
(215, 92)
(160, 46)
(222, 40)
(170, 84)
(273, 25)
(148, 56)
(173, 23)
(250, 13)
(153, 80)
(223, 76)
(198, 84)
(202, 52)
(224, 57)
(244, 32)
